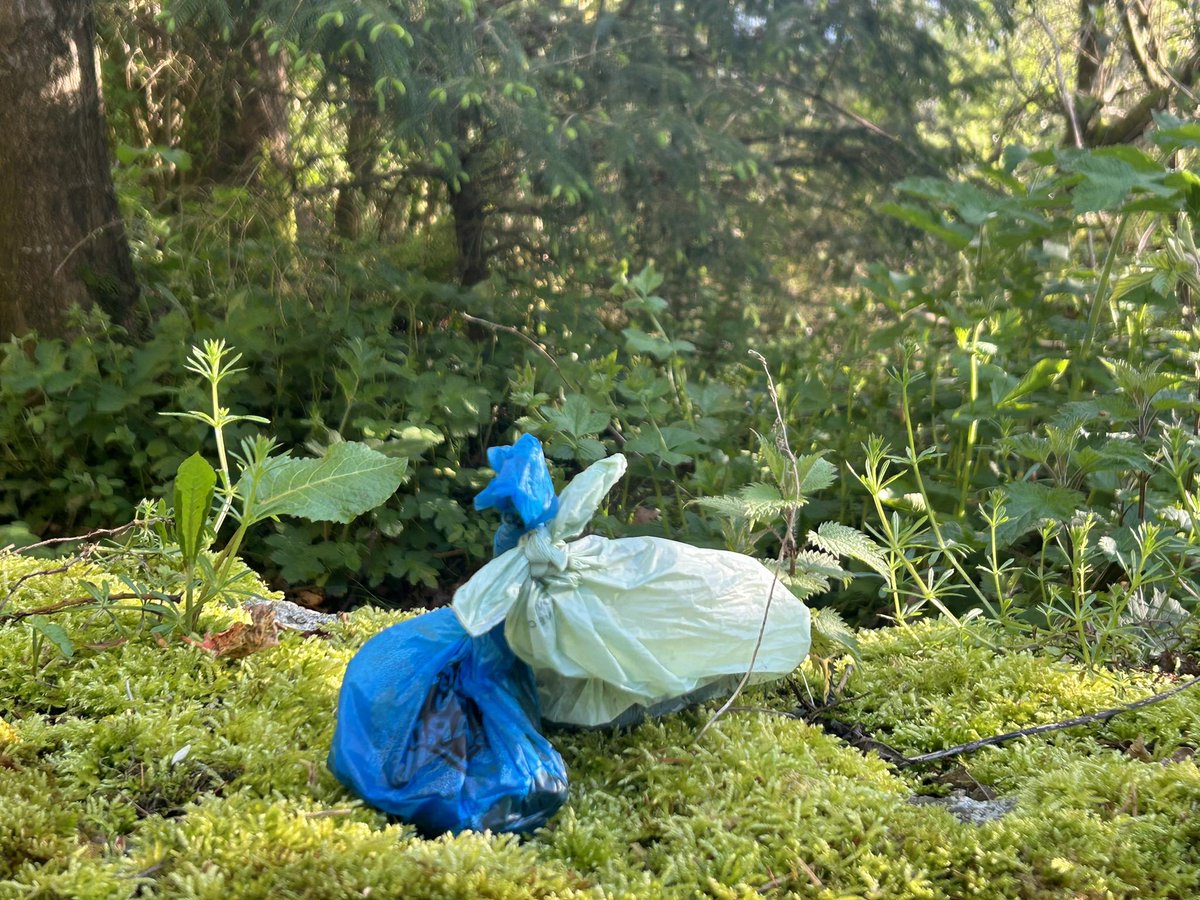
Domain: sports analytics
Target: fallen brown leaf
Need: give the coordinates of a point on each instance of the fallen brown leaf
(241, 639)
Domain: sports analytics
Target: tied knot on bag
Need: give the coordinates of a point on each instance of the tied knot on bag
(548, 559)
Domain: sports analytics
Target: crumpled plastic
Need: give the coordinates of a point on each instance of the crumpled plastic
(440, 729)
(521, 491)
(616, 628)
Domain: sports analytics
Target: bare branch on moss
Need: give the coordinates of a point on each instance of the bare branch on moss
(85, 552)
(41, 573)
(91, 536)
(79, 602)
(1102, 716)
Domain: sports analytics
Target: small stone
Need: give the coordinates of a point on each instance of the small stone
(293, 616)
(968, 811)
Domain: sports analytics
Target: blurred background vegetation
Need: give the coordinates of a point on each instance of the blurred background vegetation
(961, 233)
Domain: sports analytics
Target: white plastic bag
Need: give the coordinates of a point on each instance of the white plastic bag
(609, 626)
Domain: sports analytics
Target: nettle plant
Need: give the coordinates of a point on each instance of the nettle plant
(1046, 409)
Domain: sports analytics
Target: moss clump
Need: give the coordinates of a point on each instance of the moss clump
(162, 772)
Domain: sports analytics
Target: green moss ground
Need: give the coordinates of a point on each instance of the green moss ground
(92, 804)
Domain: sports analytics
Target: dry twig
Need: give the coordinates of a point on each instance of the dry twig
(1102, 716)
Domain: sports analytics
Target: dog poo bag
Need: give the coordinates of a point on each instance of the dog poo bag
(616, 628)
(440, 729)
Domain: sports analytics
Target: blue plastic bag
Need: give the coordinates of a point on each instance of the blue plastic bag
(440, 729)
(521, 490)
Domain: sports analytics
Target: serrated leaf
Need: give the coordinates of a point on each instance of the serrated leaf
(818, 562)
(195, 482)
(671, 444)
(829, 628)
(576, 417)
(638, 341)
(754, 503)
(348, 480)
(957, 236)
(1028, 503)
(1043, 374)
(842, 540)
(803, 584)
(1110, 175)
(816, 473)
(652, 303)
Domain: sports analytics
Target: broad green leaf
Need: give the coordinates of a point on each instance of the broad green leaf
(638, 341)
(816, 473)
(651, 304)
(671, 444)
(972, 205)
(1028, 503)
(1174, 133)
(1043, 374)
(55, 633)
(195, 482)
(957, 236)
(576, 417)
(348, 480)
(1110, 175)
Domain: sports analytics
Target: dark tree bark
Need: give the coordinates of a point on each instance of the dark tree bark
(361, 153)
(254, 117)
(468, 206)
(62, 241)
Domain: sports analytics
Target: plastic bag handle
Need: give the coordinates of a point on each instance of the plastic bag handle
(582, 497)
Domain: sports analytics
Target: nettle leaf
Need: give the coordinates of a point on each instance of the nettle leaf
(653, 304)
(638, 341)
(1174, 133)
(671, 444)
(577, 417)
(842, 540)
(1028, 503)
(1043, 374)
(831, 634)
(1111, 174)
(1124, 454)
(820, 564)
(816, 473)
(803, 584)
(348, 480)
(957, 236)
(195, 482)
(712, 398)
(754, 502)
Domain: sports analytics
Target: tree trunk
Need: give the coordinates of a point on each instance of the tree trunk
(361, 153)
(254, 127)
(468, 206)
(62, 241)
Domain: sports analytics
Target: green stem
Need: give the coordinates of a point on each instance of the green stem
(932, 516)
(1102, 290)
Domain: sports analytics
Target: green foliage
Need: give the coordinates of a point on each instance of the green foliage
(194, 485)
(139, 770)
(348, 480)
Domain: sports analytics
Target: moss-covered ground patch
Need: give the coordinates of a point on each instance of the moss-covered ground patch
(162, 772)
